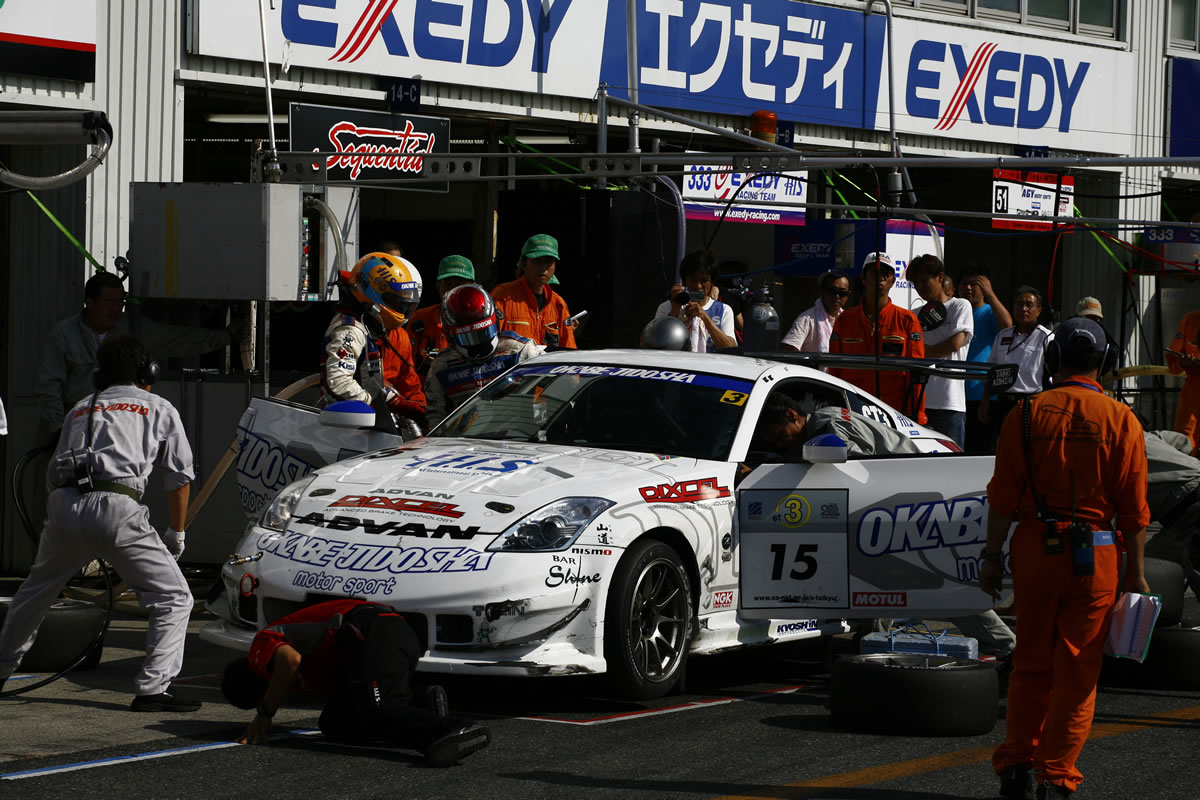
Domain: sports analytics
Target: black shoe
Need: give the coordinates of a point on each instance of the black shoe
(164, 701)
(1051, 791)
(1004, 668)
(434, 699)
(1017, 782)
(446, 751)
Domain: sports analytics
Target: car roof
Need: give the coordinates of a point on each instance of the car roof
(749, 369)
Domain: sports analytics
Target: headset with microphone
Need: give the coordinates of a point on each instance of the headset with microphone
(1054, 347)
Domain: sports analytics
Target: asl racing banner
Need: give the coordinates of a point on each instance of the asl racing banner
(807, 63)
(368, 145)
(49, 38)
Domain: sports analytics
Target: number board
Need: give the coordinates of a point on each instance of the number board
(794, 548)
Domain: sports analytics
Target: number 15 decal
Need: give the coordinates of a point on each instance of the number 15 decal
(802, 557)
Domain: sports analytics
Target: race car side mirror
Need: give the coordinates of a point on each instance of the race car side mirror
(828, 448)
(348, 414)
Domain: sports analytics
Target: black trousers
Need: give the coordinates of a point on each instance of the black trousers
(373, 701)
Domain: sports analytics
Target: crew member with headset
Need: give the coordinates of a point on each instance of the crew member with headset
(378, 297)
(110, 443)
(1069, 463)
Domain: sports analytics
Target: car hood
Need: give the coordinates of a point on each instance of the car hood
(473, 473)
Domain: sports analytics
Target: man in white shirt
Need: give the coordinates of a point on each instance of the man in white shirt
(810, 332)
(948, 326)
(1023, 344)
(709, 321)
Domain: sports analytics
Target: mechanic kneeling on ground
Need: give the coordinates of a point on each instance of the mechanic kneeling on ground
(361, 655)
(1068, 462)
(108, 447)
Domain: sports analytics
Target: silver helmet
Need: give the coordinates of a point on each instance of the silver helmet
(665, 333)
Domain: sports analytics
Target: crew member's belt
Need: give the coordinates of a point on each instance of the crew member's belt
(113, 486)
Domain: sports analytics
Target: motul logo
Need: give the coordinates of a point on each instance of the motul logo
(399, 504)
(378, 148)
(684, 491)
(881, 598)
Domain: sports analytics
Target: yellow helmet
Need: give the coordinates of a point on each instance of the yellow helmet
(391, 284)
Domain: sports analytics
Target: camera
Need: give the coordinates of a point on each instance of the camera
(684, 297)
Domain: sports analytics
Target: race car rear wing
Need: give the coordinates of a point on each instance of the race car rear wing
(998, 377)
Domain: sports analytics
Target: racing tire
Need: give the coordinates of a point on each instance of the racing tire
(912, 694)
(646, 621)
(1171, 663)
(1166, 579)
(67, 629)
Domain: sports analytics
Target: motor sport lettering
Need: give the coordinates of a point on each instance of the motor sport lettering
(472, 462)
(390, 528)
(331, 582)
(133, 408)
(922, 526)
(693, 491)
(261, 464)
(880, 599)
(406, 504)
(358, 557)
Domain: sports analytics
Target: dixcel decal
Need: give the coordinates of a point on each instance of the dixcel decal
(684, 491)
(398, 504)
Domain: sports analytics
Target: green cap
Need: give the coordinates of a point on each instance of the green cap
(539, 245)
(553, 280)
(456, 267)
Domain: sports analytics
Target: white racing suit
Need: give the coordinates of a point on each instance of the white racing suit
(351, 362)
(131, 431)
(453, 378)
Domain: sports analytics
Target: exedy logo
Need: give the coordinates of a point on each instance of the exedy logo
(684, 491)
(409, 504)
(1020, 90)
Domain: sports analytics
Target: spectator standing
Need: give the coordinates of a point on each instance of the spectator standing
(1069, 464)
(989, 317)
(1089, 308)
(948, 326)
(709, 321)
(811, 331)
(880, 328)
(530, 307)
(1023, 344)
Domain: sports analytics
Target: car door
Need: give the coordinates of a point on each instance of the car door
(892, 536)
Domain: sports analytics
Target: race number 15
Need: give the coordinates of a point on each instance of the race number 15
(803, 558)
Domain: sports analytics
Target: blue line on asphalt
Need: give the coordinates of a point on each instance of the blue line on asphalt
(107, 762)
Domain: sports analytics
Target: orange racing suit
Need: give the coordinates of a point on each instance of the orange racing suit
(1088, 460)
(1187, 341)
(898, 336)
(521, 315)
(427, 338)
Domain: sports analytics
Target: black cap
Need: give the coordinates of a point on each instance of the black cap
(1078, 338)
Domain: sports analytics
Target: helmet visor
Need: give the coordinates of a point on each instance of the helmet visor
(477, 333)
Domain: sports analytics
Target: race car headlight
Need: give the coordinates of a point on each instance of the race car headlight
(280, 510)
(552, 527)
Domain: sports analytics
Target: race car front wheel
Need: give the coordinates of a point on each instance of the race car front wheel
(646, 621)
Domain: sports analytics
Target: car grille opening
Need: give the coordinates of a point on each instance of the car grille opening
(455, 629)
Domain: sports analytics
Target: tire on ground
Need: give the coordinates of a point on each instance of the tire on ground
(646, 621)
(915, 695)
(67, 629)
(1172, 662)
(1166, 578)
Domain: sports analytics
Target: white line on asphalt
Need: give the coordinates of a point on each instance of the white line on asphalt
(654, 712)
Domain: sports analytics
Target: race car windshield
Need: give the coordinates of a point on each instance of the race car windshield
(618, 408)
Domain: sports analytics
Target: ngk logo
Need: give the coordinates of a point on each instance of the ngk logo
(684, 491)
(409, 504)
(378, 148)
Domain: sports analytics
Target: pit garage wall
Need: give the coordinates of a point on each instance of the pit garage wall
(136, 59)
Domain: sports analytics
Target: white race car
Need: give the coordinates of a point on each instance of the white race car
(584, 514)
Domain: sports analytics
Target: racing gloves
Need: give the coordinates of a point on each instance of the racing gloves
(173, 539)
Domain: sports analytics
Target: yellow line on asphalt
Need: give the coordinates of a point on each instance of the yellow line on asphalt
(958, 758)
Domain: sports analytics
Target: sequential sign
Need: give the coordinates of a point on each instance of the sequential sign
(1030, 194)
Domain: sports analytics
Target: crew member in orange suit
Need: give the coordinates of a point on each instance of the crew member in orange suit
(1184, 356)
(879, 327)
(530, 307)
(425, 330)
(1084, 467)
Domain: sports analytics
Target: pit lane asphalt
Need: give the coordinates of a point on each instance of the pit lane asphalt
(751, 724)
